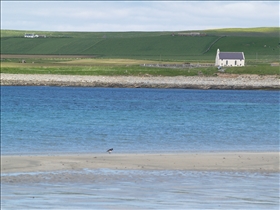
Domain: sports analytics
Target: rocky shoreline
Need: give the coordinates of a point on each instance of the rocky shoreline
(221, 81)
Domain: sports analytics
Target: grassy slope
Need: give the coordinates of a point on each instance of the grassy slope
(154, 47)
(146, 45)
(261, 31)
(260, 45)
(263, 46)
(53, 34)
(53, 46)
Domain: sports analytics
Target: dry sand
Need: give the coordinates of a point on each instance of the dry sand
(230, 161)
(82, 168)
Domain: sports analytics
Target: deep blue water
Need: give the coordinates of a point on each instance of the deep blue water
(42, 120)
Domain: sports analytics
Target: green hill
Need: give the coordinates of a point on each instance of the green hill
(249, 32)
(254, 42)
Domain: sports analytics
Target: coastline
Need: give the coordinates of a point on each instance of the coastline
(221, 81)
(72, 186)
(267, 162)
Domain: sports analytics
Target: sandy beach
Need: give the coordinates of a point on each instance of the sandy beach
(230, 161)
(221, 81)
(133, 181)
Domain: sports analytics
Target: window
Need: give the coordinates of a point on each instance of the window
(235, 63)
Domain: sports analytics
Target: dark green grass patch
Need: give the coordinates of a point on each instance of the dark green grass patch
(260, 69)
(253, 47)
(46, 46)
(151, 47)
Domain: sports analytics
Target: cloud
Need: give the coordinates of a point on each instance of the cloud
(136, 16)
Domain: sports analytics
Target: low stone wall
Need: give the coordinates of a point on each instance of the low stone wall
(222, 81)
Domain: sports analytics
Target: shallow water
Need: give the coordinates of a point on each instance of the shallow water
(141, 189)
(57, 120)
(43, 120)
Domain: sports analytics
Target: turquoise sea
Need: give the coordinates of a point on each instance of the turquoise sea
(43, 120)
(55, 120)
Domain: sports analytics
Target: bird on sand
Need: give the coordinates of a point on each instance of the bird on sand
(110, 150)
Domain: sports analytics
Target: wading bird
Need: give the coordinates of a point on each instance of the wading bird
(110, 150)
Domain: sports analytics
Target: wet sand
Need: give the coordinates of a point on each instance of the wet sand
(229, 161)
(140, 189)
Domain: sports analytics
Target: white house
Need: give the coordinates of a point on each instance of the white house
(34, 36)
(29, 35)
(230, 59)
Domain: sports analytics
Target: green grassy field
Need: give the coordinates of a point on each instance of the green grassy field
(151, 47)
(259, 42)
(122, 53)
(109, 71)
(127, 67)
(112, 67)
(261, 31)
(249, 32)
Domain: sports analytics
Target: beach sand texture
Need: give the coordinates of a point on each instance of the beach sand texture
(230, 161)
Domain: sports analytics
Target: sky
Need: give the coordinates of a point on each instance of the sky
(94, 16)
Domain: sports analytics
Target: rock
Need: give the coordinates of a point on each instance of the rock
(193, 82)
